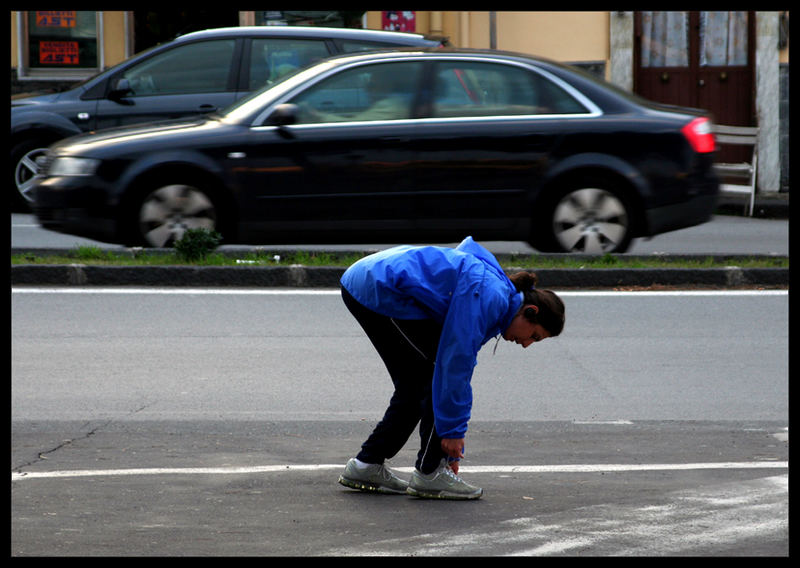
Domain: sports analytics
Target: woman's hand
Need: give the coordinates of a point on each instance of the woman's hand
(454, 448)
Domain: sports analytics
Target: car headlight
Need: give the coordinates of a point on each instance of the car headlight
(69, 166)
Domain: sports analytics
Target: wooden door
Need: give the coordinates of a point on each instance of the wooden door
(699, 59)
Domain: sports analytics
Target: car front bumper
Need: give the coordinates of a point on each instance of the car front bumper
(68, 205)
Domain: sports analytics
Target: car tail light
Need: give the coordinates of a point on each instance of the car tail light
(698, 133)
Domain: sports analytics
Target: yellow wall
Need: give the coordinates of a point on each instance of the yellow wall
(13, 39)
(563, 36)
(114, 37)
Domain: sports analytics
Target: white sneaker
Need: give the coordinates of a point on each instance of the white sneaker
(442, 484)
(374, 477)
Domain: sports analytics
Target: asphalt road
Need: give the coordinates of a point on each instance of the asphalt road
(215, 422)
(724, 234)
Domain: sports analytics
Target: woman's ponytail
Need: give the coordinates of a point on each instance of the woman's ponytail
(551, 307)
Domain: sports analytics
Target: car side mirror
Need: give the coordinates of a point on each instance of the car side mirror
(119, 89)
(283, 115)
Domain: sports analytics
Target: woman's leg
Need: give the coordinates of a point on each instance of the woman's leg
(408, 349)
(430, 454)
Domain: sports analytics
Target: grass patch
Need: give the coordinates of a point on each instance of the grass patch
(652, 261)
(92, 255)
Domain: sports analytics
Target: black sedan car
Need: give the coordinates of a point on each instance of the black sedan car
(403, 146)
(197, 73)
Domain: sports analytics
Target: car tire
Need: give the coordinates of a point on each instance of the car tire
(587, 217)
(24, 170)
(164, 211)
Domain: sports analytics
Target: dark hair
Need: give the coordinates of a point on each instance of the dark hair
(551, 308)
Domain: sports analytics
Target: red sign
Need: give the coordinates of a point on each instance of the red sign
(56, 19)
(399, 21)
(58, 52)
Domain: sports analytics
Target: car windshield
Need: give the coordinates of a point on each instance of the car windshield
(107, 72)
(255, 101)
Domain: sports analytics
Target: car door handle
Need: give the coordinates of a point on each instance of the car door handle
(207, 108)
(393, 139)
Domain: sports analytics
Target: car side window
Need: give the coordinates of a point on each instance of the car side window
(201, 67)
(383, 91)
(355, 45)
(272, 58)
(465, 89)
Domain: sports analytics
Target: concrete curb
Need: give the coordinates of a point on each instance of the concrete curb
(767, 205)
(328, 277)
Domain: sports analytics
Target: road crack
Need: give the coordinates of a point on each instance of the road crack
(43, 455)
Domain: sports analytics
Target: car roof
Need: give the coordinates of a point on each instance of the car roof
(403, 38)
(430, 51)
(446, 51)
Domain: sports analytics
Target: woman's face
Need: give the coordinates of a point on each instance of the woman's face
(523, 332)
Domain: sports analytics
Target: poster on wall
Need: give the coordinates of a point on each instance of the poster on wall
(59, 53)
(399, 21)
(56, 19)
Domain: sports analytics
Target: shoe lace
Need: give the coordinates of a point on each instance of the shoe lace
(386, 473)
(449, 472)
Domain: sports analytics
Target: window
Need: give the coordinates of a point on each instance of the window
(62, 40)
(465, 89)
(665, 39)
(371, 92)
(201, 67)
(723, 38)
(271, 59)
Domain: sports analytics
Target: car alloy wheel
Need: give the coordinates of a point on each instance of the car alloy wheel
(591, 220)
(26, 169)
(169, 211)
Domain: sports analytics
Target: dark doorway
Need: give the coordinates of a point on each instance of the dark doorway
(154, 27)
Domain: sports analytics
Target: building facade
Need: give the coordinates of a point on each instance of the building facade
(734, 64)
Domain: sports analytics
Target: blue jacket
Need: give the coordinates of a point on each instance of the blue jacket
(464, 289)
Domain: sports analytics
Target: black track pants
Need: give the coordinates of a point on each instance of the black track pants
(408, 349)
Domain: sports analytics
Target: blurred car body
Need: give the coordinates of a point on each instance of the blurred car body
(402, 146)
(197, 73)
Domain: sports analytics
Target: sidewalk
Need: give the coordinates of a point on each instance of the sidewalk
(771, 205)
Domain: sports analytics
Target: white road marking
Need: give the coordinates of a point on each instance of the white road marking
(18, 476)
(603, 422)
(708, 518)
(182, 291)
(336, 292)
(782, 436)
(573, 468)
(661, 293)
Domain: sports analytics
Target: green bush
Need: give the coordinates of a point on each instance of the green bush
(197, 244)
